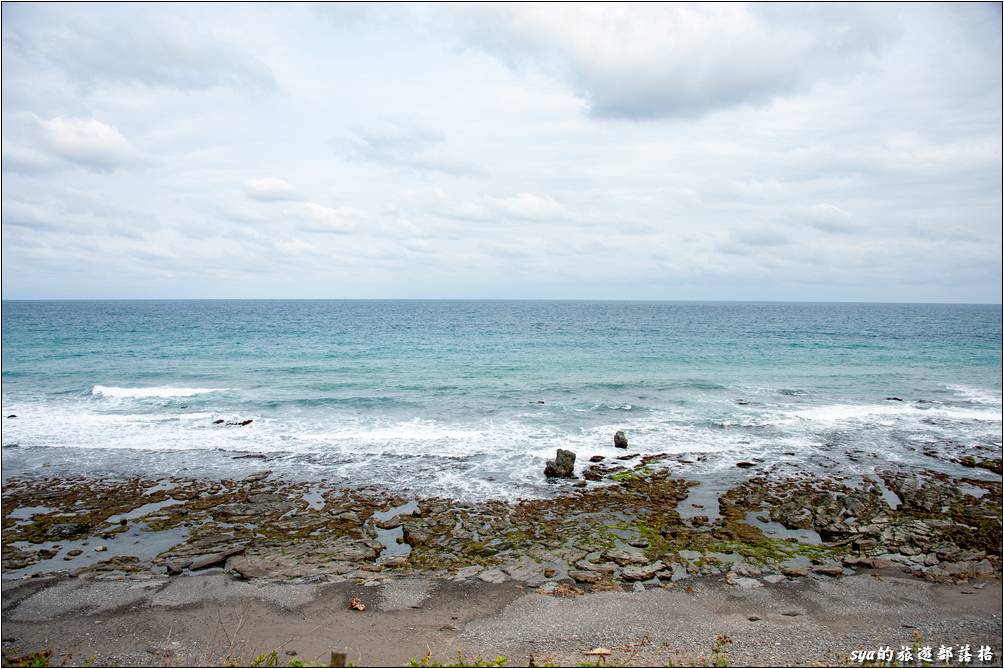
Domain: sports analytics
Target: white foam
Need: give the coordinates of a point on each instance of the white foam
(153, 391)
(977, 395)
(838, 413)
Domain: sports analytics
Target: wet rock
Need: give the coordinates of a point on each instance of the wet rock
(563, 465)
(620, 441)
(100, 549)
(597, 458)
(260, 476)
(795, 572)
(745, 465)
(627, 457)
(13, 415)
(242, 423)
(593, 473)
(218, 421)
(893, 399)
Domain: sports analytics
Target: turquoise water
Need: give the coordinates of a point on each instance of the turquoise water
(445, 396)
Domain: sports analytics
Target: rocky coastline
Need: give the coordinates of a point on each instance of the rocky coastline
(628, 525)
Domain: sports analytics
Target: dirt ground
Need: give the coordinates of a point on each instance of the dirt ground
(212, 619)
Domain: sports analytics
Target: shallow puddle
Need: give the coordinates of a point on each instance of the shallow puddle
(779, 531)
(133, 542)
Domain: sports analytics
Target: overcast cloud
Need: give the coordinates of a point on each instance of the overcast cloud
(771, 152)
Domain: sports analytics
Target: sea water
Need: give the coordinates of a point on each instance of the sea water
(469, 398)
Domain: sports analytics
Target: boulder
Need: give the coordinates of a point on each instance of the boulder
(620, 441)
(597, 458)
(563, 465)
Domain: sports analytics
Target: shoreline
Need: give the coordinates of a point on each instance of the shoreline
(633, 535)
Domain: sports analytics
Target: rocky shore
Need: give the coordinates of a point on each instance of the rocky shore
(631, 525)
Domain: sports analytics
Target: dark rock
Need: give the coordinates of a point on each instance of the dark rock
(250, 456)
(620, 441)
(754, 619)
(597, 458)
(894, 399)
(13, 415)
(563, 465)
(218, 421)
(742, 403)
(745, 465)
(242, 423)
(627, 457)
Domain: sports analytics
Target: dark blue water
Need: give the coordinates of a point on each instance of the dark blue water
(442, 396)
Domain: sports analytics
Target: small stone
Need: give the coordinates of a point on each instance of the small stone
(100, 549)
(754, 619)
(774, 578)
(745, 465)
(597, 458)
(620, 441)
(795, 571)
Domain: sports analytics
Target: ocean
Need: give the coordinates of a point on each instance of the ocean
(469, 398)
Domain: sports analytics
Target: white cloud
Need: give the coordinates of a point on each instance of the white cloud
(530, 207)
(675, 59)
(270, 189)
(81, 141)
(313, 217)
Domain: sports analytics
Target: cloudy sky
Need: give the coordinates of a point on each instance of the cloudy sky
(768, 152)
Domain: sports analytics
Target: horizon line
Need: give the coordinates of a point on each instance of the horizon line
(477, 299)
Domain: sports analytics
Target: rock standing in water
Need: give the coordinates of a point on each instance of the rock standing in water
(620, 441)
(563, 465)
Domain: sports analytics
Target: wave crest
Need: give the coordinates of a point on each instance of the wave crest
(153, 391)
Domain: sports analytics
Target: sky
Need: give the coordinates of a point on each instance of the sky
(677, 152)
